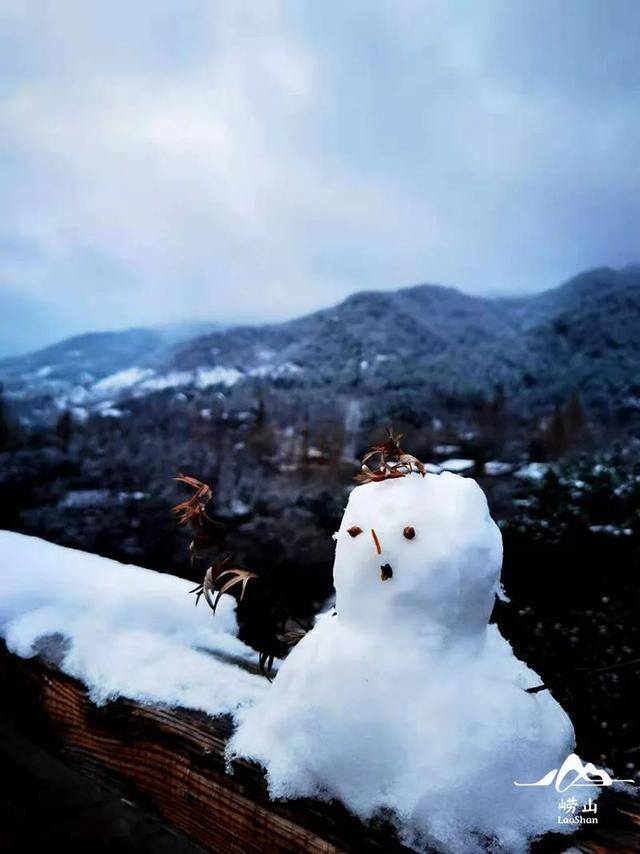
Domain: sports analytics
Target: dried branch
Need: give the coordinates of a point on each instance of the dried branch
(212, 584)
(580, 670)
(266, 663)
(207, 586)
(274, 638)
(194, 508)
(238, 576)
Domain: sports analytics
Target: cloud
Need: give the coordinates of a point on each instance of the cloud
(256, 160)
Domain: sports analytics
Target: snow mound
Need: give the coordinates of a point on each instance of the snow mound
(406, 701)
(128, 631)
(457, 465)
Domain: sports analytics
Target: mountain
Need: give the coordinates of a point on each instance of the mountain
(408, 349)
(58, 375)
(432, 342)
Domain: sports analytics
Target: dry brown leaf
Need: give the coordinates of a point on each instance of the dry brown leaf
(238, 576)
(195, 506)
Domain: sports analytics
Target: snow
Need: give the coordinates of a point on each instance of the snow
(139, 381)
(80, 414)
(174, 379)
(495, 468)
(405, 701)
(130, 632)
(78, 395)
(239, 508)
(445, 450)
(286, 369)
(456, 465)
(613, 530)
(121, 380)
(533, 471)
(218, 375)
(80, 498)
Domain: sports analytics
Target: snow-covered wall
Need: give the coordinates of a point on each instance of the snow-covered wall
(129, 631)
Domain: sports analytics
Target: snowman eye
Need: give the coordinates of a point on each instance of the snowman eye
(409, 532)
(354, 530)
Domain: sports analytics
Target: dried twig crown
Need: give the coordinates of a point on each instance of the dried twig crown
(392, 461)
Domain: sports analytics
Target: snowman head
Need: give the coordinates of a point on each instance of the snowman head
(419, 554)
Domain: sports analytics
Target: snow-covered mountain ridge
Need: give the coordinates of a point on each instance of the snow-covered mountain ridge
(581, 335)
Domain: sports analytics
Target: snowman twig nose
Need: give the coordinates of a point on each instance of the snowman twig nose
(376, 541)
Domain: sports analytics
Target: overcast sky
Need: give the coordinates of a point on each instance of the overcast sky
(246, 161)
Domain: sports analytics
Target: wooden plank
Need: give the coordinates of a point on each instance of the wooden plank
(45, 804)
(173, 762)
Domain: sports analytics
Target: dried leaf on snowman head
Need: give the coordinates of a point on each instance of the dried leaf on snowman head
(392, 461)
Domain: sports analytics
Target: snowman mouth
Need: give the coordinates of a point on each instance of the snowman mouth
(386, 572)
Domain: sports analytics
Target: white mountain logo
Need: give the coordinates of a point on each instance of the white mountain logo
(573, 773)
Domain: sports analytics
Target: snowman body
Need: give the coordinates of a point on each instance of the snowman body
(405, 700)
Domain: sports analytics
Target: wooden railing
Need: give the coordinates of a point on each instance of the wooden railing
(172, 761)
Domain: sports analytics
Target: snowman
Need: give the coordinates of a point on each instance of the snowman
(404, 701)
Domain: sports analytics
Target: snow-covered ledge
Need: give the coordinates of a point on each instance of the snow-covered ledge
(128, 632)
